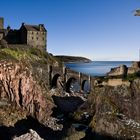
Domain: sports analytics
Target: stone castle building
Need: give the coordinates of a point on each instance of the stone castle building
(32, 35)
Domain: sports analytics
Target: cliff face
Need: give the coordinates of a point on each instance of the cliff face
(18, 86)
(24, 82)
(116, 110)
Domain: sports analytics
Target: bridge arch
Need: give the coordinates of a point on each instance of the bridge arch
(56, 81)
(85, 86)
(72, 85)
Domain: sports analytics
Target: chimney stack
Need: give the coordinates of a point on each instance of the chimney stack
(41, 26)
(8, 28)
(23, 23)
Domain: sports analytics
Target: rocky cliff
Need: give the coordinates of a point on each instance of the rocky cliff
(111, 111)
(18, 86)
(24, 83)
(25, 92)
(114, 111)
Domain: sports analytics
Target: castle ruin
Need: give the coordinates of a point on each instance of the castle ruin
(31, 35)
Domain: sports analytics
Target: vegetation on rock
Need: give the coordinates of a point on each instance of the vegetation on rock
(115, 110)
(25, 53)
(24, 82)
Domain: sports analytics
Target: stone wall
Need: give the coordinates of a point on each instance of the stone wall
(36, 39)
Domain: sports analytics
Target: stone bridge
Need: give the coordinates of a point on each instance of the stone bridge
(62, 77)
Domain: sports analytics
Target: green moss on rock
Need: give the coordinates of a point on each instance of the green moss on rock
(27, 54)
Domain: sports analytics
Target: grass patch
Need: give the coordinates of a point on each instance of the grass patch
(27, 55)
(132, 77)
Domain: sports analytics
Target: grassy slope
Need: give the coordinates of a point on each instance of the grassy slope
(28, 54)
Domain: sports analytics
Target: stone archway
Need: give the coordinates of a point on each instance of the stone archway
(85, 86)
(72, 85)
(56, 81)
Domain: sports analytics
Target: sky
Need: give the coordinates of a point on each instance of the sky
(96, 29)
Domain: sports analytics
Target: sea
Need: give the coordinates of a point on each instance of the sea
(97, 68)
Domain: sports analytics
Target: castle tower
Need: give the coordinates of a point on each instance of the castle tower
(1, 23)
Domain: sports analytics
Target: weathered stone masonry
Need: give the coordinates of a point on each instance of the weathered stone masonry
(64, 76)
(32, 35)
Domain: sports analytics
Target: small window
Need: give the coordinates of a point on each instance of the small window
(32, 32)
(37, 33)
(37, 38)
(43, 38)
(32, 38)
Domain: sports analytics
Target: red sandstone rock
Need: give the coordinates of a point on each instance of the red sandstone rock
(18, 85)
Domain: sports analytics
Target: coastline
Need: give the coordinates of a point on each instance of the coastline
(73, 59)
(96, 68)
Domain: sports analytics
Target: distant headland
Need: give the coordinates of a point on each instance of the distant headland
(72, 59)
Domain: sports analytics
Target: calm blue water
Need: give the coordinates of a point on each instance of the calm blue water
(97, 68)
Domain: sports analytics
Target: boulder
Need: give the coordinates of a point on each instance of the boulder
(32, 135)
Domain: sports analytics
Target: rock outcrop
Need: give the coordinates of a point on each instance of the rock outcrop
(123, 70)
(32, 135)
(118, 71)
(24, 84)
(115, 110)
(18, 85)
(67, 104)
(135, 68)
